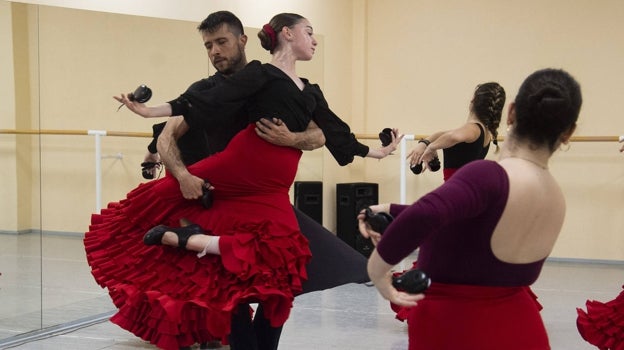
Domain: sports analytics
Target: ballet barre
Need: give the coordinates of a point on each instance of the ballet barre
(403, 153)
(97, 134)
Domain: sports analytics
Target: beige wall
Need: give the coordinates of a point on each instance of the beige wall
(411, 64)
(425, 57)
(17, 100)
(8, 220)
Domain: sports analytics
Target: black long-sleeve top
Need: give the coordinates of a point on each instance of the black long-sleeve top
(264, 91)
(196, 143)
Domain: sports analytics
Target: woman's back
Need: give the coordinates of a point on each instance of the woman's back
(533, 215)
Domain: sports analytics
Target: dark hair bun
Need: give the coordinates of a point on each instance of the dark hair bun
(547, 104)
(549, 101)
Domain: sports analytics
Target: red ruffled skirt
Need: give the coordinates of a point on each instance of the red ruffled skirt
(171, 298)
(603, 323)
(476, 318)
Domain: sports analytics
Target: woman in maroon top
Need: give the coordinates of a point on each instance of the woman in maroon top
(486, 232)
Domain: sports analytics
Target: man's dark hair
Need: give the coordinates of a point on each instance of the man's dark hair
(215, 20)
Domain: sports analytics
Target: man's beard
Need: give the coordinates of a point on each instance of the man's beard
(233, 63)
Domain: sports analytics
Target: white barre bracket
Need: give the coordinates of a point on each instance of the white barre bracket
(403, 168)
(98, 166)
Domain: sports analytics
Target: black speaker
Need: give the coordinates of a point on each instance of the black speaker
(351, 198)
(309, 199)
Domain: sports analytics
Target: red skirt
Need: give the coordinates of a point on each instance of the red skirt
(476, 318)
(603, 323)
(167, 295)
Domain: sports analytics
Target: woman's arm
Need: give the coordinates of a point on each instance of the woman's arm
(418, 150)
(426, 151)
(468, 132)
(340, 141)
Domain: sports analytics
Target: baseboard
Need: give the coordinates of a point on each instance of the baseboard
(40, 232)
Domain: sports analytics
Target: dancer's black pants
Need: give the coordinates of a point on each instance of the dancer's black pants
(256, 334)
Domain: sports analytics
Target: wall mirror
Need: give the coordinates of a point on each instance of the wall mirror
(64, 67)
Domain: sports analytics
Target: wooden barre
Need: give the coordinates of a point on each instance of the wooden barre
(359, 136)
(501, 138)
(74, 132)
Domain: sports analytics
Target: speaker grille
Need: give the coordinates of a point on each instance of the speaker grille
(309, 199)
(351, 198)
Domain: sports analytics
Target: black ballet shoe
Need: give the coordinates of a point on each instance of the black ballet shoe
(146, 168)
(155, 235)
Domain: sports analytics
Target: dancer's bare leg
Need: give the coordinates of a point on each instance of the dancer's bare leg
(203, 244)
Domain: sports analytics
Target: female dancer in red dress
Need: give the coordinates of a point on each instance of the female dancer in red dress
(602, 324)
(249, 244)
(472, 234)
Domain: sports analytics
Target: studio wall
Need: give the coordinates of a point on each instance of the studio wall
(411, 65)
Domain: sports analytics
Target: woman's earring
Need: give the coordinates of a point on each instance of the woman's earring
(564, 148)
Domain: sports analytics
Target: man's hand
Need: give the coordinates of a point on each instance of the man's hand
(192, 186)
(138, 108)
(277, 133)
(163, 110)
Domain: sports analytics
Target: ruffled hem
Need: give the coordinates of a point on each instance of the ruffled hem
(603, 323)
(171, 298)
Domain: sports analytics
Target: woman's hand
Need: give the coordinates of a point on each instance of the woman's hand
(383, 152)
(365, 229)
(428, 155)
(380, 274)
(388, 292)
(415, 155)
(396, 139)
